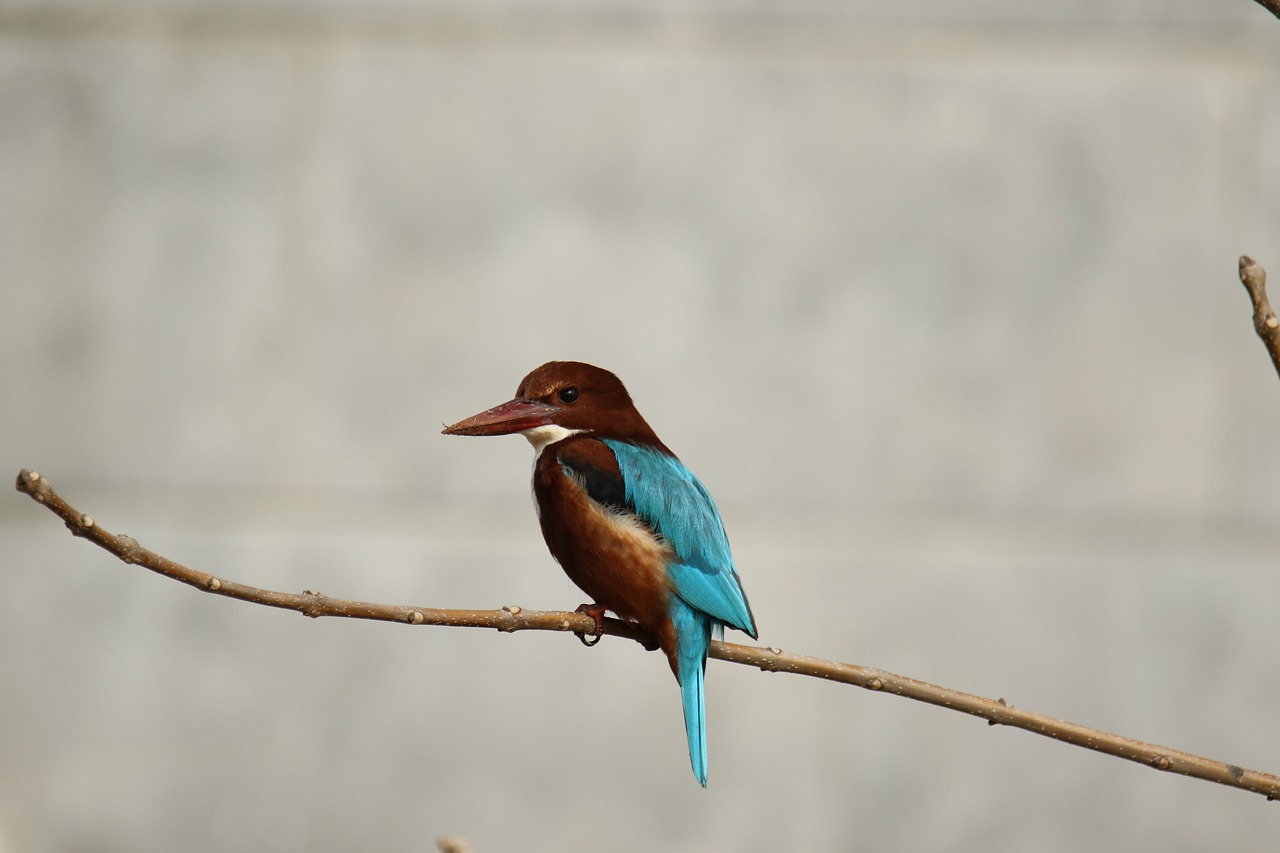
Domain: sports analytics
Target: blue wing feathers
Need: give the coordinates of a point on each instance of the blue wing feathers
(717, 594)
(669, 497)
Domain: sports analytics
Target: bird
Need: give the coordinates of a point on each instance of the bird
(630, 525)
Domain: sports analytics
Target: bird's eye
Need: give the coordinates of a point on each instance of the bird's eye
(568, 396)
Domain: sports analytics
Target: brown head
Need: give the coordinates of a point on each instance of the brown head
(561, 398)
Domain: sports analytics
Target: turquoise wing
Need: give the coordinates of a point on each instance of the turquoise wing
(666, 494)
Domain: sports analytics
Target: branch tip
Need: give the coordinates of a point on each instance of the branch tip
(1254, 278)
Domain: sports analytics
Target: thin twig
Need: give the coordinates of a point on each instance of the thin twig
(512, 618)
(1272, 6)
(1254, 279)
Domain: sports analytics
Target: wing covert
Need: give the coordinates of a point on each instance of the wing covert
(665, 494)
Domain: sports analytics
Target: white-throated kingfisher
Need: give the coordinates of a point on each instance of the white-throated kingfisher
(628, 522)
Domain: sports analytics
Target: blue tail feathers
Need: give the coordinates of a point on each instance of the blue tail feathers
(693, 639)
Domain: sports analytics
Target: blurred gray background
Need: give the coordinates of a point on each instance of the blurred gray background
(938, 298)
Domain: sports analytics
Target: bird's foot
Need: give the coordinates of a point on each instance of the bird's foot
(596, 612)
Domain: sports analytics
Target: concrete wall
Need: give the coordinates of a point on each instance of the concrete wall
(939, 299)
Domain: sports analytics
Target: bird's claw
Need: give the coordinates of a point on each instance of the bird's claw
(596, 612)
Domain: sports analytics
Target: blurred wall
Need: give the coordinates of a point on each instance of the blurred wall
(939, 299)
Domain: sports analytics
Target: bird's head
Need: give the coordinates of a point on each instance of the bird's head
(561, 398)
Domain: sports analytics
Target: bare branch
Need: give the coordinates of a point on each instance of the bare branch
(512, 618)
(1254, 279)
(1272, 6)
(308, 603)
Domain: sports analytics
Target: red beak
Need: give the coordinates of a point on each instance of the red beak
(515, 416)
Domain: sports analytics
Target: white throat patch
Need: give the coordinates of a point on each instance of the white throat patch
(542, 436)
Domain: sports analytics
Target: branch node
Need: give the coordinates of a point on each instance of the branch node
(513, 609)
(315, 608)
(213, 584)
(415, 617)
(875, 684)
(86, 520)
(1161, 763)
(128, 547)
